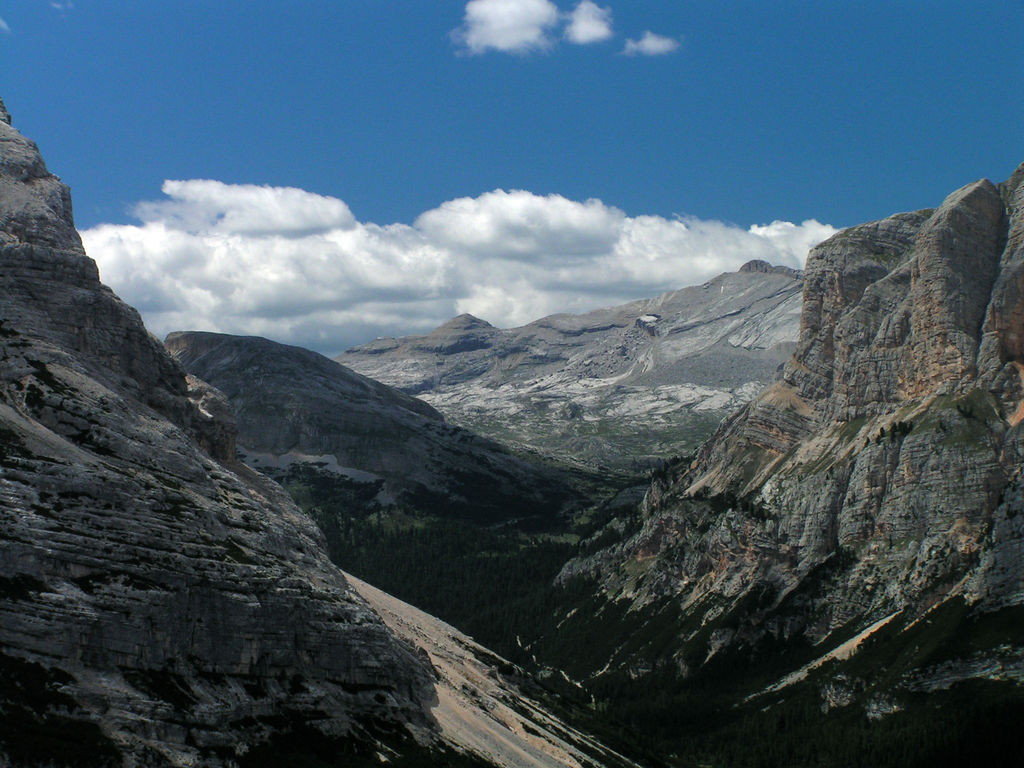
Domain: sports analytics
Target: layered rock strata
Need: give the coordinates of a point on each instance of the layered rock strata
(161, 604)
(882, 473)
(620, 387)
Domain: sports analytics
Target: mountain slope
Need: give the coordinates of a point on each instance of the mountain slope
(161, 603)
(481, 708)
(149, 593)
(297, 407)
(615, 386)
(853, 537)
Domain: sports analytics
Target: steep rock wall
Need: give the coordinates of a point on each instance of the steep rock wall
(159, 604)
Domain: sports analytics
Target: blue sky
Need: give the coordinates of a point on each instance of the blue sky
(718, 111)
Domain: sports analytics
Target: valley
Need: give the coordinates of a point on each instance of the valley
(769, 520)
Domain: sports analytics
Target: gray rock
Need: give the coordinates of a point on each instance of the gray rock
(295, 406)
(178, 606)
(882, 473)
(161, 604)
(613, 387)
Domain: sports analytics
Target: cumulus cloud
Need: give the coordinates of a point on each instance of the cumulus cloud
(300, 268)
(511, 26)
(589, 23)
(245, 209)
(650, 44)
(521, 226)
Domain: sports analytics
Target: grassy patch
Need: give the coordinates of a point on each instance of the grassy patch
(300, 746)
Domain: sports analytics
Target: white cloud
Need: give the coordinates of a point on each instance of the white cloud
(4, 27)
(589, 23)
(246, 209)
(511, 26)
(299, 268)
(522, 226)
(792, 239)
(650, 44)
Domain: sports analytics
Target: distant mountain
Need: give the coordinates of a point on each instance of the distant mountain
(161, 604)
(296, 408)
(622, 387)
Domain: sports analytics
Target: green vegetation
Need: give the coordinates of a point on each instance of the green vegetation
(656, 683)
(965, 421)
(896, 432)
(850, 429)
(489, 583)
(706, 719)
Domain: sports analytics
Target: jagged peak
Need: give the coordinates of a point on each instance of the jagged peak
(5, 116)
(756, 265)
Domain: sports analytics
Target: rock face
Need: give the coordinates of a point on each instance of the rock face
(614, 386)
(883, 473)
(160, 602)
(154, 603)
(297, 407)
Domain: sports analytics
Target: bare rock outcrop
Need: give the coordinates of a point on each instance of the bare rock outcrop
(619, 387)
(160, 604)
(882, 473)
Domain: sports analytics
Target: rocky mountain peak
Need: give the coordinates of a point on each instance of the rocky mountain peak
(882, 477)
(764, 267)
(1013, 184)
(168, 590)
(613, 386)
(38, 212)
(463, 333)
(5, 116)
(895, 432)
(299, 410)
(463, 322)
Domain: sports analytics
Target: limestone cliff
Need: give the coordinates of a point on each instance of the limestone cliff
(881, 475)
(161, 604)
(156, 606)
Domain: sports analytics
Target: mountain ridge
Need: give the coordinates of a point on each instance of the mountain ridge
(301, 412)
(611, 387)
(888, 455)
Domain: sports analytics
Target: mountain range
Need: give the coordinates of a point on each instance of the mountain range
(163, 604)
(300, 414)
(622, 387)
(851, 540)
(825, 567)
